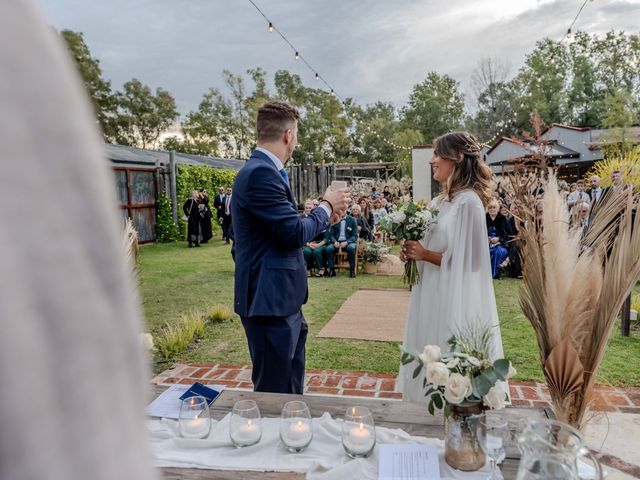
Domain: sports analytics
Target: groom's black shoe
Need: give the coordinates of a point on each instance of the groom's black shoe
(352, 274)
(332, 273)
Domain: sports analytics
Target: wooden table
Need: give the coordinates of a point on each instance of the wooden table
(410, 417)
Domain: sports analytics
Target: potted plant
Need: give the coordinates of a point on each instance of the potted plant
(463, 382)
(372, 254)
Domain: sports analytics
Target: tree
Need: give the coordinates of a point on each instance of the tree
(142, 116)
(375, 125)
(620, 114)
(98, 89)
(210, 125)
(435, 106)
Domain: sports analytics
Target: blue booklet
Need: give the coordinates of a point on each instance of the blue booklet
(198, 389)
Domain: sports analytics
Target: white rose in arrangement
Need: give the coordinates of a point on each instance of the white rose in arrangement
(431, 353)
(398, 217)
(437, 373)
(512, 371)
(146, 341)
(457, 388)
(495, 397)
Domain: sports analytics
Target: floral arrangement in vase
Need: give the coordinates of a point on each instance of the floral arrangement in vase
(463, 376)
(373, 252)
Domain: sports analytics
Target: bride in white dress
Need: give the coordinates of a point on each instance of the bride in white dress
(456, 288)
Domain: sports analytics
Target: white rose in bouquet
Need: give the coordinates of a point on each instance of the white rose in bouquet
(398, 216)
(437, 373)
(457, 388)
(495, 398)
(431, 353)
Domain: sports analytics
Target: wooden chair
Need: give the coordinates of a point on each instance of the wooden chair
(342, 261)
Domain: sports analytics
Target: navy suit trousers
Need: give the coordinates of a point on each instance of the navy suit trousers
(277, 349)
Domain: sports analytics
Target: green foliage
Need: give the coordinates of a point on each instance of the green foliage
(374, 251)
(143, 115)
(165, 228)
(176, 338)
(197, 177)
(435, 106)
(98, 89)
(219, 313)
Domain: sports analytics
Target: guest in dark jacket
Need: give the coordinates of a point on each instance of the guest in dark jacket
(343, 235)
(366, 212)
(363, 226)
(190, 209)
(513, 226)
(497, 229)
(205, 217)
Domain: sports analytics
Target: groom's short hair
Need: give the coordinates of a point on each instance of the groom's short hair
(275, 118)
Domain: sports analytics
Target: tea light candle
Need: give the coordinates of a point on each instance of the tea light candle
(298, 434)
(248, 433)
(194, 428)
(359, 440)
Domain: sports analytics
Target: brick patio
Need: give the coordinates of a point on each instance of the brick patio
(360, 384)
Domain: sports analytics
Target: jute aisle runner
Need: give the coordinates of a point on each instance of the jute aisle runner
(370, 314)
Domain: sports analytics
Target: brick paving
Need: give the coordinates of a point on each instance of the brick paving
(380, 385)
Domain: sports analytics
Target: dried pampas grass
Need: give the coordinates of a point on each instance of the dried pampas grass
(575, 282)
(130, 245)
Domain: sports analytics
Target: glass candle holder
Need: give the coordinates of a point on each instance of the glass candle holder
(194, 419)
(358, 432)
(245, 425)
(296, 429)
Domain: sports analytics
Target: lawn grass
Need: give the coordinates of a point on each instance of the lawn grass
(175, 279)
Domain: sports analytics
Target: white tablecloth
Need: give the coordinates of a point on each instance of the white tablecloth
(324, 459)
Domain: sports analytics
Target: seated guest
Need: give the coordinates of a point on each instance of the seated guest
(363, 225)
(314, 250)
(497, 228)
(385, 204)
(343, 235)
(366, 212)
(497, 253)
(378, 212)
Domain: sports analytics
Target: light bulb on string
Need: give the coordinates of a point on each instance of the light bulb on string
(270, 27)
(297, 56)
(569, 34)
(317, 77)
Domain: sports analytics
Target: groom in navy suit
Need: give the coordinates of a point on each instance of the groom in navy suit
(270, 274)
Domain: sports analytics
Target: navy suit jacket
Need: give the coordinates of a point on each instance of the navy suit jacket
(269, 235)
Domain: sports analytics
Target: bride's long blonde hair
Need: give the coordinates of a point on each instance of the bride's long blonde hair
(469, 170)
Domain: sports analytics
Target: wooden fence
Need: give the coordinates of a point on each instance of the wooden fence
(310, 181)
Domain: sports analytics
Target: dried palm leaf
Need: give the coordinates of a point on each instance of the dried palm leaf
(563, 369)
(574, 284)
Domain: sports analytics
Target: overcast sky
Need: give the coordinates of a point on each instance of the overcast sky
(369, 49)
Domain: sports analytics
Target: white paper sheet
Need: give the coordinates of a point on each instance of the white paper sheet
(408, 462)
(167, 404)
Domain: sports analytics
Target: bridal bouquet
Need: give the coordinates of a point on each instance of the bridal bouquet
(465, 375)
(410, 221)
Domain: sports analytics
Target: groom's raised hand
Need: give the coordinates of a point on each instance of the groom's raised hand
(338, 201)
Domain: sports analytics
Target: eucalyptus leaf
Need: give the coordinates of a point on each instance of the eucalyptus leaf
(437, 400)
(430, 408)
(502, 368)
(481, 385)
(417, 371)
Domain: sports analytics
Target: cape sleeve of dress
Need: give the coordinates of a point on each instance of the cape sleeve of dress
(468, 302)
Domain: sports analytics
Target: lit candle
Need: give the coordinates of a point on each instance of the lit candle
(248, 433)
(195, 428)
(359, 440)
(298, 434)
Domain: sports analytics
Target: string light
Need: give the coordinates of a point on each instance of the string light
(318, 77)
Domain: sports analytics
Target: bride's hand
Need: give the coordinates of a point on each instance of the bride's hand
(412, 250)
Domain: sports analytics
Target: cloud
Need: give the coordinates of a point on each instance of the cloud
(374, 50)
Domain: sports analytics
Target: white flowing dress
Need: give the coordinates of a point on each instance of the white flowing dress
(456, 295)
